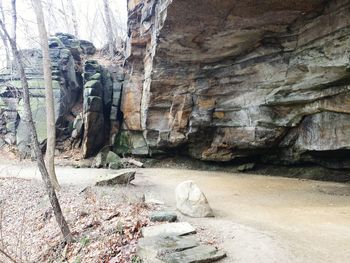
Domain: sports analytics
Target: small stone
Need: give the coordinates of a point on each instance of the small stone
(114, 179)
(115, 165)
(163, 216)
(112, 158)
(99, 162)
(191, 201)
(149, 198)
(246, 167)
(100, 159)
(85, 163)
(194, 255)
(169, 229)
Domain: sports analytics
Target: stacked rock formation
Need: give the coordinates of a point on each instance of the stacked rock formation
(66, 89)
(74, 82)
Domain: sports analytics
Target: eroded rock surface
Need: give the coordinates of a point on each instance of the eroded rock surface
(227, 79)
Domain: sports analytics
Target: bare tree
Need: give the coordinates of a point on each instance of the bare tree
(36, 146)
(74, 18)
(64, 14)
(50, 107)
(3, 37)
(7, 256)
(109, 28)
(117, 40)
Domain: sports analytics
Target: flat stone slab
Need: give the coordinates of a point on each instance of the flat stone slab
(169, 229)
(149, 248)
(163, 216)
(200, 254)
(119, 178)
(151, 198)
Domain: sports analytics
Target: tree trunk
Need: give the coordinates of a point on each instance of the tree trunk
(109, 28)
(39, 156)
(50, 107)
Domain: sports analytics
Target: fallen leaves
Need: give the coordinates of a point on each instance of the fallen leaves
(105, 224)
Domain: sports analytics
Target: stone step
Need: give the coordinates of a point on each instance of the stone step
(149, 248)
(163, 216)
(169, 229)
(200, 254)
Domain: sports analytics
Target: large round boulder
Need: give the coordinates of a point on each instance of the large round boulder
(191, 201)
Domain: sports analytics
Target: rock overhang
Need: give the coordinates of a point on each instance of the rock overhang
(210, 31)
(227, 79)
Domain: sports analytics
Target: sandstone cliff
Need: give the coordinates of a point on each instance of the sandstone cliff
(225, 79)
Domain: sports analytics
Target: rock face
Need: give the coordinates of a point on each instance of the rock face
(76, 81)
(66, 91)
(191, 201)
(221, 80)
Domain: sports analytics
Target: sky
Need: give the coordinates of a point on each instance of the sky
(89, 15)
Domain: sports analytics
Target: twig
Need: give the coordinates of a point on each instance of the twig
(7, 256)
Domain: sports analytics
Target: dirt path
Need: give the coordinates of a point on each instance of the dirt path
(258, 218)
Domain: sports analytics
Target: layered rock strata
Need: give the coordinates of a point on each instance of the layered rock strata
(229, 79)
(66, 91)
(75, 82)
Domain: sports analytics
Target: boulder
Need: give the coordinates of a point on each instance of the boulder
(115, 179)
(115, 165)
(191, 201)
(107, 158)
(100, 159)
(112, 158)
(87, 47)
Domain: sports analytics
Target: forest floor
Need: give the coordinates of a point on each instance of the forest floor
(105, 222)
(257, 218)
